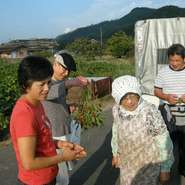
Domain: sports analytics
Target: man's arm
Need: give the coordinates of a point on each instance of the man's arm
(78, 81)
(170, 98)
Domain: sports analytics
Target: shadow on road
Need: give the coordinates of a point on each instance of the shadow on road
(107, 175)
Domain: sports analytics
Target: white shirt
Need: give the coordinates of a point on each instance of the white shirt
(170, 81)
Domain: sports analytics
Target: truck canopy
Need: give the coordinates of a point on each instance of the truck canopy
(152, 39)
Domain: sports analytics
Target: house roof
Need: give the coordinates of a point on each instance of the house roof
(31, 45)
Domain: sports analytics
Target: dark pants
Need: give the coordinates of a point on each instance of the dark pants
(51, 183)
(180, 139)
(177, 134)
(169, 124)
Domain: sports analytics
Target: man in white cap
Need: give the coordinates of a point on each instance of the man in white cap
(56, 107)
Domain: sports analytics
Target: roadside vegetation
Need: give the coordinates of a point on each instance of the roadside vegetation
(106, 66)
(118, 45)
(94, 59)
(8, 90)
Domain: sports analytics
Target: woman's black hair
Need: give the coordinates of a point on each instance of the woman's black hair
(33, 68)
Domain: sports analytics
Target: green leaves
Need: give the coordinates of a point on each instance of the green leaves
(3, 121)
(86, 47)
(8, 91)
(120, 44)
(89, 112)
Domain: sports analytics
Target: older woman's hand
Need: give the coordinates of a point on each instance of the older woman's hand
(115, 161)
(164, 178)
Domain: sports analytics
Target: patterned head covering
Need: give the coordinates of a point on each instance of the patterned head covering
(123, 85)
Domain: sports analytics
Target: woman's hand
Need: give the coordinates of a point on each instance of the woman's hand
(115, 161)
(67, 154)
(80, 151)
(164, 178)
(62, 144)
(77, 151)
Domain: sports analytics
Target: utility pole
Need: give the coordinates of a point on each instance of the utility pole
(101, 37)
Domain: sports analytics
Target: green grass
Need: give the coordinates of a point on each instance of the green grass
(104, 67)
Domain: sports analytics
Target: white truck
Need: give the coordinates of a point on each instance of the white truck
(152, 39)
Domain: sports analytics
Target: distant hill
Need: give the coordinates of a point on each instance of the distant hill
(125, 24)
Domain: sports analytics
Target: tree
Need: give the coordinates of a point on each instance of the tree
(87, 47)
(120, 44)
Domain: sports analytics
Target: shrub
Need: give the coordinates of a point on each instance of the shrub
(8, 91)
(86, 47)
(120, 45)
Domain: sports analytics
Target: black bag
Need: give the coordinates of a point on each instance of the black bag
(170, 124)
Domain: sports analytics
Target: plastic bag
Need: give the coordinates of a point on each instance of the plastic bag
(75, 128)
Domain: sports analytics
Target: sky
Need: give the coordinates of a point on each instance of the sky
(26, 19)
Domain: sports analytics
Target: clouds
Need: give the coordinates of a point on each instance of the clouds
(67, 30)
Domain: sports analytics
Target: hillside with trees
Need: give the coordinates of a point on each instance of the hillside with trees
(106, 29)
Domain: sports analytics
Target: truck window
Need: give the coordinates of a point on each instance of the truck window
(162, 58)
